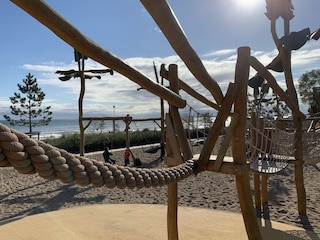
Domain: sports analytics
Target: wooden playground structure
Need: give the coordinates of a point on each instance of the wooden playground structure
(30, 156)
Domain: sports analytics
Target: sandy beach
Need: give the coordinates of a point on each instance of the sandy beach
(25, 195)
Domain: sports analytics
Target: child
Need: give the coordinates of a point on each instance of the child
(127, 156)
(106, 156)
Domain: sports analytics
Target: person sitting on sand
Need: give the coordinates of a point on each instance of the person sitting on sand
(106, 156)
(127, 154)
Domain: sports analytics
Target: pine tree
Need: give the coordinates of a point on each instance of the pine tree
(27, 105)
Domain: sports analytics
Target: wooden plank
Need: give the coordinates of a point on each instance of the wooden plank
(229, 168)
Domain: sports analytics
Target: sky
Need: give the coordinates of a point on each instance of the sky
(215, 29)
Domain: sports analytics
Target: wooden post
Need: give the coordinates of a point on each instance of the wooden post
(127, 121)
(298, 145)
(80, 105)
(264, 187)
(172, 211)
(238, 146)
(257, 191)
(175, 116)
(163, 133)
(256, 176)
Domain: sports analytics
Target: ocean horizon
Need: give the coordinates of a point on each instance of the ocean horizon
(59, 127)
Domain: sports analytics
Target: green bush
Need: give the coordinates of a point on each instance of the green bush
(98, 141)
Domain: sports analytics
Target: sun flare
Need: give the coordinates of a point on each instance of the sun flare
(246, 3)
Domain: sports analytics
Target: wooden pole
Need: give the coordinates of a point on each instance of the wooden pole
(163, 133)
(185, 87)
(285, 55)
(162, 136)
(264, 187)
(176, 119)
(172, 204)
(218, 124)
(71, 35)
(254, 142)
(80, 104)
(298, 144)
(127, 121)
(257, 191)
(172, 211)
(275, 86)
(165, 19)
(238, 145)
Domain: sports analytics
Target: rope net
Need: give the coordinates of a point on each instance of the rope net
(268, 147)
(311, 147)
(29, 156)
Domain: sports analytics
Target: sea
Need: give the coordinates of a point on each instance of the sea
(60, 127)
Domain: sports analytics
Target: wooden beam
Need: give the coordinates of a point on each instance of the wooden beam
(102, 118)
(170, 27)
(274, 85)
(185, 87)
(228, 168)
(218, 125)
(71, 35)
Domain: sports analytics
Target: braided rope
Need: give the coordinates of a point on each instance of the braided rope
(29, 156)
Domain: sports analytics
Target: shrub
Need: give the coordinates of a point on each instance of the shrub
(98, 141)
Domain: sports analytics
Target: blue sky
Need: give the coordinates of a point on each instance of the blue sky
(215, 29)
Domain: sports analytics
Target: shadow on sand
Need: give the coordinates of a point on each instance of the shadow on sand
(267, 229)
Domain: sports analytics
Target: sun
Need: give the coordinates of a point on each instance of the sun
(249, 4)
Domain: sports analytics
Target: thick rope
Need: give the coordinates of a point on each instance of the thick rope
(29, 156)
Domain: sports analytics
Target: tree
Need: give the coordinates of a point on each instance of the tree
(309, 90)
(30, 99)
(269, 105)
(206, 118)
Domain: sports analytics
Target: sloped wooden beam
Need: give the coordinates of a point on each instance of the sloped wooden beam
(170, 27)
(71, 35)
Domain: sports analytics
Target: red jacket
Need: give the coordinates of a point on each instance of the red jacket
(127, 154)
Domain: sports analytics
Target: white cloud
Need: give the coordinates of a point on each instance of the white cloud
(116, 90)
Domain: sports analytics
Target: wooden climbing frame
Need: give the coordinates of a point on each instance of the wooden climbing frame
(233, 104)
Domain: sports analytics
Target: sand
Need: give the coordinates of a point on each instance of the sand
(25, 195)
